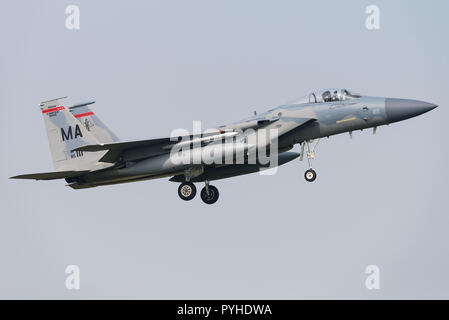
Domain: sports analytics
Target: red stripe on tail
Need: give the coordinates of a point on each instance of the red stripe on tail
(84, 114)
(53, 109)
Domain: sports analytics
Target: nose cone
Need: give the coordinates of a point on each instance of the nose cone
(401, 109)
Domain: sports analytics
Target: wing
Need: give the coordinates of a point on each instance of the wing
(140, 149)
(133, 150)
(124, 145)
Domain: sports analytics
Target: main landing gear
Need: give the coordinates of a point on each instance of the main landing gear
(310, 174)
(187, 191)
(209, 194)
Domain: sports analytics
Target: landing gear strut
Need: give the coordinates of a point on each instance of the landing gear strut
(310, 174)
(187, 191)
(209, 194)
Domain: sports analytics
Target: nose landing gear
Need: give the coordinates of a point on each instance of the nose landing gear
(310, 174)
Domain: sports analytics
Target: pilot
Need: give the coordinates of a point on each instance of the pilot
(335, 96)
(327, 96)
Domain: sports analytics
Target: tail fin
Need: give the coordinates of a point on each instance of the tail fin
(65, 134)
(92, 123)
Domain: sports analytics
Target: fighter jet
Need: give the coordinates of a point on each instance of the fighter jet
(86, 153)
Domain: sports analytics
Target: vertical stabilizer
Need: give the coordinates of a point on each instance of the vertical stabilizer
(65, 133)
(92, 123)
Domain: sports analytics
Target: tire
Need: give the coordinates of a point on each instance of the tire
(310, 175)
(210, 198)
(187, 191)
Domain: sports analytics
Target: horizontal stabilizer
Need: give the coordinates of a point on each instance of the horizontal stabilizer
(50, 175)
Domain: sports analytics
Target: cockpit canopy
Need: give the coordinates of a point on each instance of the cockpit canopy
(328, 95)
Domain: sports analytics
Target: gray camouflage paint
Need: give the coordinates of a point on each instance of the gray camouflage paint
(294, 123)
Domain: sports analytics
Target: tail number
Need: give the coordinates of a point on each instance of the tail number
(69, 134)
(76, 154)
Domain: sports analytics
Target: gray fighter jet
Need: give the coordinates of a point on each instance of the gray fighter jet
(87, 154)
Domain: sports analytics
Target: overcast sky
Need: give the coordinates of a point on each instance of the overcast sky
(153, 66)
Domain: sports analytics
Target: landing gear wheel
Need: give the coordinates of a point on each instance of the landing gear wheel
(187, 191)
(310, 175)
(209, 197)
